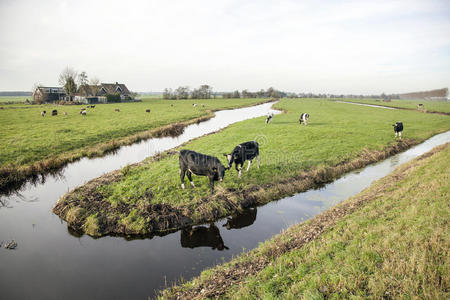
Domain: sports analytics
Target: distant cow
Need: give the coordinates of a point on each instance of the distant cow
(202, 236)
(147, 110)
(398, 128)
(118, 110)
(83, 113)
(43, 113)
(203, 105)
(54, 112)
(244, 219)
(420, 106)
(91, 106)
(269, 117)
(304, 117)
(241, 153)
(202, 165)
(64, 113)
(194, 104)
(171, 105)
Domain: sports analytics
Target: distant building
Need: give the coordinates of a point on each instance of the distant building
(48, 94)
(103, 93)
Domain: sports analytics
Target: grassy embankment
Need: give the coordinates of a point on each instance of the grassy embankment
(147, 198)
(30, 143)
(391, 241)
(431, 106)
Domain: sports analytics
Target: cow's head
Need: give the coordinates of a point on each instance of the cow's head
(230, 158)
(219, 172)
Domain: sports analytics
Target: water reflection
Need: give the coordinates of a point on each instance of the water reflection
(202, 236)
(242, 220)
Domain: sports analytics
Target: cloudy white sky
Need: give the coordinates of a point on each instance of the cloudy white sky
(299, 46)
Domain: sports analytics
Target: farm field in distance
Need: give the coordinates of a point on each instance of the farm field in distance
(6, 100)
(27, 137)
(337, 133)
(430, 105)
(391, 240)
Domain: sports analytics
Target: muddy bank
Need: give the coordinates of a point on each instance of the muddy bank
(223, 277)
(85, 210)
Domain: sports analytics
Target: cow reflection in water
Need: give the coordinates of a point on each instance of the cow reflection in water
(245, 219)
(202, 236)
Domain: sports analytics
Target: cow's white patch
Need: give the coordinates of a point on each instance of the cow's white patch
(240, 172)
(182, 186)
(192, 183)
(229, 158)
(249, 163)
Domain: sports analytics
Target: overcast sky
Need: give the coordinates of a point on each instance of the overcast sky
(299, 46)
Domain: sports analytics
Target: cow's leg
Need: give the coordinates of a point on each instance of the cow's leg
(396, 134)
(249, 163)
(257, 160)
(189, 176)
(182, 172)
(240, 171)
(400, 135)
(211, 184)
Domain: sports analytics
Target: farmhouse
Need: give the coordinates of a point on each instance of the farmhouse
(48, 94)
(103, 93)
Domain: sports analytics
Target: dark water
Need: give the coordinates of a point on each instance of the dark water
(49, 263)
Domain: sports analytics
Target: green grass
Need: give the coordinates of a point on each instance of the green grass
(430, 105)
(7, 100)
(26, 137)
(395, 246)
(336, 133)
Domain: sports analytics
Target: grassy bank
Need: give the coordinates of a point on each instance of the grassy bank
(31, 144)
(147, 198)
(390, 241)
(431, 106)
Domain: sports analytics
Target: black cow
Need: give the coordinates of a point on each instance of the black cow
(304, 117)
(147, 110)
(245, 219)
(43, 113)
(202, 165)
(202, 236)
(398, 128)
(269, 117)
(54, 112)
(241, 153)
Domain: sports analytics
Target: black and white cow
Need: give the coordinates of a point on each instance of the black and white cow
(398, 128)
(192, 162)
(54, 112)
(269, 117)
(304, 117)
(241, 153)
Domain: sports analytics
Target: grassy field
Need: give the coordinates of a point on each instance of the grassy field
(391, 241)
(339, 136)
(430, 105)
(27, 137)
(5, 100)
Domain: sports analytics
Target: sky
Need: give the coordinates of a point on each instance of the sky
(349, 47)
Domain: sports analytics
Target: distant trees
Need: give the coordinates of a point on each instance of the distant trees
(95, 86)
(183, 92)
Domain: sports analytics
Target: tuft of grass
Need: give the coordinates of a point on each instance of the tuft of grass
(134, 222)
(91, 226)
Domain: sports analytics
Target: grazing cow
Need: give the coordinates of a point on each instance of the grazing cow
(118, 110)
(54, 112)
(43, 113)
(304, 117)
(398, 128)
(192, 162)
(203, 105)
(147, 110)
(171, 105)
(83, 113)
(244, 219)
(241, 153)
(194, 104)
(420, 106)
(202, 236)
(269, 117)
(64, 113)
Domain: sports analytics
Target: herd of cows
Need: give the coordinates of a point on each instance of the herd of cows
(192, 162)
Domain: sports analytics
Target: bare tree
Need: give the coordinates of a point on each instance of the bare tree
(82, 79)
(67, 80)
(95, 86)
